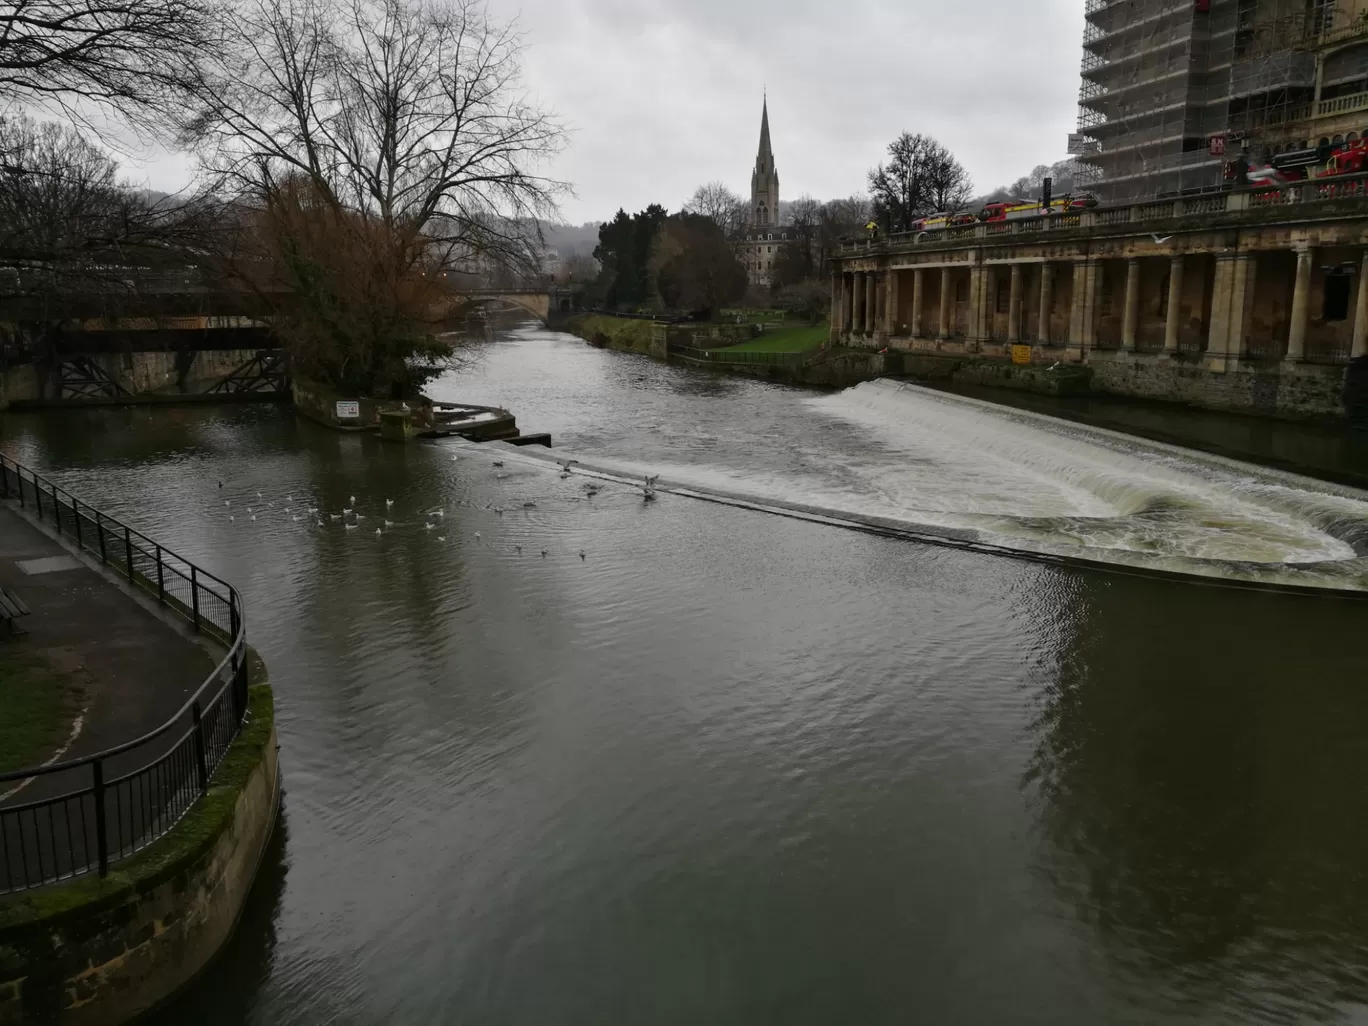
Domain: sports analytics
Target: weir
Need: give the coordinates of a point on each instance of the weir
(953, 470)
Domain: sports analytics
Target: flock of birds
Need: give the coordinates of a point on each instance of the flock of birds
(352, 519)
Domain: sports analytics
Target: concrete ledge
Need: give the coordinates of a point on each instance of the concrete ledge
(103, 951)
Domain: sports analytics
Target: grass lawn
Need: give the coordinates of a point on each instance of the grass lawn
(33, 709)
(793, 339)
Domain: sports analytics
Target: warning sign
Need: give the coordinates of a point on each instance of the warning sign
(1021, 354)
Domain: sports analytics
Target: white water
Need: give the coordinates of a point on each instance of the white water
(1031, 482)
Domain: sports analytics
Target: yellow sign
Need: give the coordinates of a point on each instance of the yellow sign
(1021, 354)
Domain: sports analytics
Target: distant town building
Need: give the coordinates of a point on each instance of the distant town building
(763, 235)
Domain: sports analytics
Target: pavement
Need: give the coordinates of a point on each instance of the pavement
(129, 668)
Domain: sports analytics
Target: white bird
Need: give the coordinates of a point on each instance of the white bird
(360, 516)
(1053, 365)
(378, 532)
(313, 509)
(501, 476)
(389, 523)
(455, 458)
(250, 509)
(352, 500)
(477, 534)
(258, 495)
(254, 518)
(334, 516)
(347, 512)
(231, 518)
(352, 527)
(227, 502)
(289, 498)
(295, 519)
(438, 512)
(318, 523)
(498, 510)
(441, 537)
(1160, 239)
(430, 525)
(389, 504)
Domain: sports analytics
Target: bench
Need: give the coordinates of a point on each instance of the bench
(11, 608)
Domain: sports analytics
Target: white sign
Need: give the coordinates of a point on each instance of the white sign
(1080, 145)
(348, 409)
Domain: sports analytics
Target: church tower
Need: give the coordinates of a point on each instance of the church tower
(764, 208)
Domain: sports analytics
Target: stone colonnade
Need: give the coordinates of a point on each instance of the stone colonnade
(966, 300)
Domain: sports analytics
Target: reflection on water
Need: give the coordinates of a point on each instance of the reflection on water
(1194, 798)
(732, 768)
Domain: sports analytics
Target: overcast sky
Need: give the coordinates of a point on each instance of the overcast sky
(663, 95)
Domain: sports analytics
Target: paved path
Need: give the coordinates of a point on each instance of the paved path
(131, 669)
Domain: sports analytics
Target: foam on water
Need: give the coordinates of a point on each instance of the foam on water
(1032, 482)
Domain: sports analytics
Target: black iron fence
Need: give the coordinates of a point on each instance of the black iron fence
(76, 816)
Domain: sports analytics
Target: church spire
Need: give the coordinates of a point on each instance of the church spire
(766, 155)
(764, 179)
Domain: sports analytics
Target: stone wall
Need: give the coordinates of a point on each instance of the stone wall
(100, 951)
(710, 336)
(1296, 392)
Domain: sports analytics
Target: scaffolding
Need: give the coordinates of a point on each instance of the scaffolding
(1172, 89)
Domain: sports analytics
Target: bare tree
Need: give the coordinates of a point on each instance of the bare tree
(134, 57)
(65, 216)
(397, 129)
(921, 176)
(720, 205)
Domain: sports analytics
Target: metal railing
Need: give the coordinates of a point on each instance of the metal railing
(83, 814)
(1314, 190)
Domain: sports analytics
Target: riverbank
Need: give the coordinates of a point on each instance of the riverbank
(106, 950)
(125, 859)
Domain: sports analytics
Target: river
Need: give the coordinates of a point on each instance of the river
(734, 767)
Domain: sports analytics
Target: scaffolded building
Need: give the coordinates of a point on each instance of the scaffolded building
(1173, 89)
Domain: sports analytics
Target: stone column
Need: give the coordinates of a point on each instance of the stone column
(1360, 345)
(1301, 307)
(871, 303)
(1130, 317)
(1046, 303)
(916, 320)
(1222, 282)
(1242, 289)
(1090, 304)
(1081, 313)
(1174, 313)
(836, 291)
(857, 297)
(1014, 306)
(974, 329)
(943, 328)
(891, 303)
